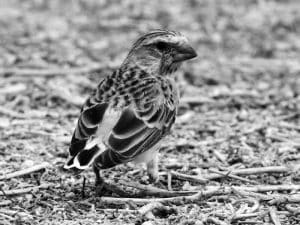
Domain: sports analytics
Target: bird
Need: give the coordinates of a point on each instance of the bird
(130, 112)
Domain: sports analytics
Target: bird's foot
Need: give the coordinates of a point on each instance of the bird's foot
(154, 177)
(83, 187)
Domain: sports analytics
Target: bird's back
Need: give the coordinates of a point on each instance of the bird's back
(129, 112)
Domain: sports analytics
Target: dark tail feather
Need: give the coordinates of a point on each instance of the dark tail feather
(86, 157)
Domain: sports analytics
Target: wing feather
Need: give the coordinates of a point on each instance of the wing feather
(127, 125)
(125, 149)
(87, 125)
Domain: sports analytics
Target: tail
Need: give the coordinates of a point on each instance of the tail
(83, 159)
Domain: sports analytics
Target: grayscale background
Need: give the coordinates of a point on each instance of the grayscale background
(239, 109)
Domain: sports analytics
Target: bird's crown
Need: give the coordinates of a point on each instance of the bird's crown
(159, 35)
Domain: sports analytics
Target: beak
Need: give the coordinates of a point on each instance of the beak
(184, 52)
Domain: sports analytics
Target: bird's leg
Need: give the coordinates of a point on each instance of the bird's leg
(83, 187)
(99, 182)
(152, 169)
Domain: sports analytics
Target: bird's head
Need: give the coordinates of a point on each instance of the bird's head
(160, 52)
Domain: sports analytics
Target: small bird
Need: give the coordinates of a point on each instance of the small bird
(133, 109)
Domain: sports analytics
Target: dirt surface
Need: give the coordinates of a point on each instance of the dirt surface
(240, 109)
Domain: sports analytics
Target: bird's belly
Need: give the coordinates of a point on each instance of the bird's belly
(148, 155)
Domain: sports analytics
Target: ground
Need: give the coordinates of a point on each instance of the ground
(240, 109)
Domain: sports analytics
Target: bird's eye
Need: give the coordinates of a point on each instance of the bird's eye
(161, 46)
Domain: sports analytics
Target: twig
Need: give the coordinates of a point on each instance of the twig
(216, 221)
(250, 171)
(11, 113)
(173, 200)
(292, 209)
(273, 199)
(198, 100)
(154, 191)
(267, 188)
(7, 217)
(5, 202)
(287, 117)
(12, 89)
(24, 190)
(251, 222)
(15, 213)
(253, 201)
(189, 177)
(169, 178)
(248, 194)
(289, 126)
(228, 174)
(213, 191)
(127, 211)
(30, 114)
(247, 215)
(276, 137)
(279, 199)
(25, 171)
(210, 142)
(274, 216)
(220, 156)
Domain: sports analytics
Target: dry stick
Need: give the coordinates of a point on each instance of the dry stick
(25, 171)
(127, 211)
(56, 71)
(273, 199)
(274, 216)
(213, 191)
(15, 213)
(24, 190)
(189, 177)
(251, 171)
(173, 200)
(240, 216)
(279, 199)
(169, 178)
(12, 113)
(276, 137)
(220, 156)
(216, 221)
(154, 191)
(292, 209)
(198, 100)
(265, 188)
(288, 126)
(7, 217)
(227, 174)
(5, 202)
(12, 89)
(31, 114)
(250, 222)
(247, 215)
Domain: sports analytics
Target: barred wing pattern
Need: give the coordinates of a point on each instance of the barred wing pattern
(129, 113)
